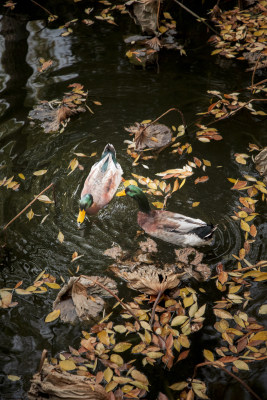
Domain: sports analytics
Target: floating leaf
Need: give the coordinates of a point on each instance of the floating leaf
(21, 177)
(123, 346)
(108, 374)
(241, 365)
(196, 203)
(60, 237)
(52, 316)
(244, 226)
(178, 385)
(13, 378)
(40, 172)
(208, 355)
(117, 359)
(263, 309)
(53, 285)
(67, 365)
(30, 214)
(201, 179)
(179, 320)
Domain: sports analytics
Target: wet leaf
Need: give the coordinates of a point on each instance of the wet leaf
(45, 199)
(241, 365)
(30, 214)
(13, 378)
(52, 316)
(195, 204)
(222, 313)
(208, 355)
(21, 176)
(67, 365)
(244, 226)
(40, 172)
(179, 320)
(60, 237)
(158, 204)
(53, 285)
(121, 347)
(201, 179)
(117, 359)
(263, 309)
(108, 374)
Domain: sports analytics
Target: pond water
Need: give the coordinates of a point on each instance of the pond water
(95, 57)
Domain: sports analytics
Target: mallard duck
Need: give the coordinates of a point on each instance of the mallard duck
(101, 183)
(168, 226)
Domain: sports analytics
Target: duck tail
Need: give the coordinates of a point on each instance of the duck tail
(109, 149)
(209, 234)
(205, 232)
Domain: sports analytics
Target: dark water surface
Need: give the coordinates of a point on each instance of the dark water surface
(95, 57)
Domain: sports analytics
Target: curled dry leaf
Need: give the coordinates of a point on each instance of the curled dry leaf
(261, 164)
(115, 252)
(153, 136)
(149, 246)
(81, 299)
(148, 279)
(53, 383)
(55, 113)
(192, 265)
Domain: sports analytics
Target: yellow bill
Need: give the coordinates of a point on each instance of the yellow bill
(81, 216)
(121, 193)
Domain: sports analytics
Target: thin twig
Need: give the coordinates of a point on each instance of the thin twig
(154, 307)
(245, 268)
(39, 5)
(158, 10)
(197, 16)
(118, 299)
(234, 111)
(25, 208)
(43, 357)
(259, 83)
(166, 112)
(254, 71)
(219, 365)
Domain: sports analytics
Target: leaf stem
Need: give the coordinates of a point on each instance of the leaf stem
(28, 205)
(118, 299)
(219, 365)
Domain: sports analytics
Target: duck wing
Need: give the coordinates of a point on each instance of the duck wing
(174, 222)
(103, 180)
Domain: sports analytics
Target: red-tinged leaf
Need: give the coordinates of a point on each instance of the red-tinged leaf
(253, 231)
(201, 179)
(183, 355)
(197, 162)
(239, 185)
(223, 277)
(211, 107)
(227, 359)
(18, 284)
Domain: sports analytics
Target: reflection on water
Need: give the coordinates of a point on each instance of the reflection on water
(95, 58)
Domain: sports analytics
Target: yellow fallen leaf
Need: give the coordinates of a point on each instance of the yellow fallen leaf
(158, 204)
(196, 203)
(53, 285)
(67, 365)
(13, 378)
(60, 237)
(52, 316)
(30, 215)
(21, 176)
(208, 355)
(40, 172)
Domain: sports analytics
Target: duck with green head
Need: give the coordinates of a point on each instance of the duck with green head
(168, 226)
(101, 184)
